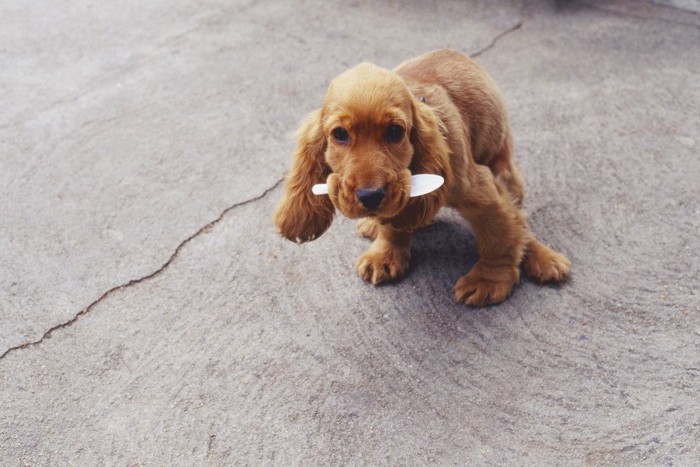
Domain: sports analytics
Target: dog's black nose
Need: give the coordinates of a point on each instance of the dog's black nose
(370, 197)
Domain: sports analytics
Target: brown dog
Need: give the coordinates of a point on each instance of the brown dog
(440, 113)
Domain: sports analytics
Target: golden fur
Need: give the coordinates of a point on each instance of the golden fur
(447, 117)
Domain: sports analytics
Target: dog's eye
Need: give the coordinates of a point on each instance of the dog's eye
(394, 133)
(341, 135)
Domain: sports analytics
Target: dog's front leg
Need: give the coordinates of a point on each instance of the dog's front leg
(501, 235)
(388, 256)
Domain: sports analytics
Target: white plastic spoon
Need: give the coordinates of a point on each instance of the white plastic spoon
(420, 185)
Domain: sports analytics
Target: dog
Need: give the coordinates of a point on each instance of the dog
(440, 113)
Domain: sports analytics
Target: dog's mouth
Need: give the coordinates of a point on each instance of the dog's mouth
(382, 200)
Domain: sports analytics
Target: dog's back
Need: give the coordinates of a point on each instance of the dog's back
(473, 92)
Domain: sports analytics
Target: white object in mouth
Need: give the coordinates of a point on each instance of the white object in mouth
(421, 184)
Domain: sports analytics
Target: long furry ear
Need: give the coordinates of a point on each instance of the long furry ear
(302, 216)
(431, 156)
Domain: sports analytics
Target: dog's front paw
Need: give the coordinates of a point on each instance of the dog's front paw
(486, 285)
(377, 266)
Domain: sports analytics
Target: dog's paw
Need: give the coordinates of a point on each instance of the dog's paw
(542, 264)
(486, 285)
(383, 265)
(368, 228)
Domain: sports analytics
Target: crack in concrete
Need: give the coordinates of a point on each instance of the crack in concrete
(496, 39)
(203, 229)
(132, 282)
(206, 228)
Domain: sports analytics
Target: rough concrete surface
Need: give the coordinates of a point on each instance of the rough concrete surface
(150, 314)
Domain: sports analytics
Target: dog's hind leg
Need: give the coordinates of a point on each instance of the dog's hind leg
(542, 264)
(507, 173)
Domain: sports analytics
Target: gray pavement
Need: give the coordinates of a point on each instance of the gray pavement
(150, 315)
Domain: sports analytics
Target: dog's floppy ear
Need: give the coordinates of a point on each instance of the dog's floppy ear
(431, 156)
(302, 216)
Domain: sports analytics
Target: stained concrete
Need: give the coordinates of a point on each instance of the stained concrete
(151, 315)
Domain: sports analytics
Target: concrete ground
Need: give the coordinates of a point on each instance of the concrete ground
(150, 314)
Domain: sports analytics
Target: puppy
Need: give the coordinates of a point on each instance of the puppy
(439, 113)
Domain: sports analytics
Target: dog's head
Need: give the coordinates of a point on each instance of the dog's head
(367, 118)
(365, 142)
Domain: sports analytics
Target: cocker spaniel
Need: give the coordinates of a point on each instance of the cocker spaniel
(439, 113)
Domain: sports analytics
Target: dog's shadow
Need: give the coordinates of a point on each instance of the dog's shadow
(443, 251)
